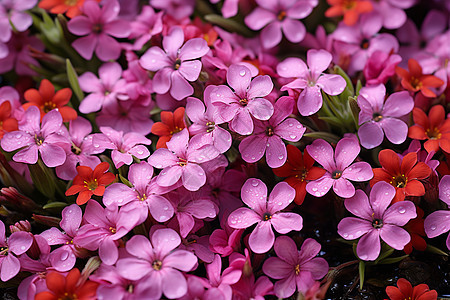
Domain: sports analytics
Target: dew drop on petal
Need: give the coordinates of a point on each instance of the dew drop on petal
(64, 255)
(242, 73)
(280, 156)
(433, 227)
(255, 183)
(345, 235)
(401, 210)
(314, 189)
(293, 136)
(22, 248)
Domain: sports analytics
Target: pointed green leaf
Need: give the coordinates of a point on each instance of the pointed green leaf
(435, 250)
(125, 181)
(73, 81)
(55, 205)
(43, 179)
(329, 137)
(362, 269)
(229, 24)
(392, 260)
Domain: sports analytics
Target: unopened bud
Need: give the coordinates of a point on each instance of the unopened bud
(20, 226)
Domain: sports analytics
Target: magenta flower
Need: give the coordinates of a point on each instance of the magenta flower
(339, 168)
(176, 64)
(225, 241)
(98, 26)
(12, 13)
(32, 137)
(267, 135)
(438, 222)
(295, 269)
(160, 261)
(143, 197)
(266, 213)
(378, 116)
(123, 146)
(64, 258)
(205, 128)
(80, 151)
(147, 24)
(103, 90)
(139, 86)
(219, 282)
(181, 159)
(178, 9)
(246, 101)
(18, 243)
(392, 11)
(380, 66)
(229, 8)
(311, 80)
(280, 16)
(103, 227)
(376, 220)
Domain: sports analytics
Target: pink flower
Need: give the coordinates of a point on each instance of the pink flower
(103, 227)
(339, 168)
(376, 220)
(17, 244)
(246, 101)
(266, 213)
(229, 8)
(178, 9)
(79, 151)
(98, 26)
(392, 11)
(380, 66)
(267, 135)
(103, 90)
(160, 260)
(123, 146)
(32, 137)
(280, 16)
(147, 24)
(205, 128)
(181, 159)
(64, 258)
(438, 222)
(12, 14)
(378, 117)
(225, 241)
(176, 64)
(295, 268)
(144, 196)
(311, 80)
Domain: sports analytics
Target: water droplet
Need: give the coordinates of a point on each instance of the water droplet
(253, 157)
(64, 255)
(345, 235)
(387, 193)
(18, 136)
(318, 194)
(290, 124)
(96, 145)
(22, 248)
(280, 156)
(299, 126)
(433, 227)
(280, 203)
(255, 183)
(401, 210)
(242, 73)
(166, 208)
(201, 173)
(314, 189)
(140, 152)
(293, 136)
(233, 221)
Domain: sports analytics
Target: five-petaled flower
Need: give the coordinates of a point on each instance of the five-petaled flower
(89, 182)
(405, 290)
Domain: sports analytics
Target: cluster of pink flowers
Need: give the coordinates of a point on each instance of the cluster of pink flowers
(193, 142)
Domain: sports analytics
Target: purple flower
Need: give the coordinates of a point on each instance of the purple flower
(378, 116)
(176, 64)
(339, 170)
(98, 25)
(380, 66)
(80, 151)
(219, 284)
(181, 159)
(295, 268)
(392, 11)
(247, 99)
(205, 129)
(376, 220)
(104, 226)
(229, 8)
(438, 222)
(12, 12)
(160, 261)
(280, 16)
(103, 90)
(144, 196)
(267, 135)
(64, 258)
(147, 24)
(18, 243)
(311, 80)
(123, 146)
(178, 9)
(47, 139)
(266, 213)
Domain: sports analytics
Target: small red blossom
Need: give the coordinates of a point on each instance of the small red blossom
(405, 290)
(46, 100)
(404, 174)
(67, 288)
(417, 232)
(350, 9)
(71, 8)
(434, 128)
(170, 124)
(89, 182)
(415, 80)
(298, 169)
(7, 122)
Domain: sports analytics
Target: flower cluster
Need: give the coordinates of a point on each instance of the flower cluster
(222, 149)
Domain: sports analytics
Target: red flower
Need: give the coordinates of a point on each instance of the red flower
(350, 9)
(170, 123)
(7, 123)
(46, 99)
(417, 232)
(70, 7)
(406, 291)
(434, 128)
(89, 182)
(67, 288)
(298, 169)
(415, 80)
(403, 174)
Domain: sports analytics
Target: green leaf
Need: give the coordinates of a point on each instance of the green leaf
(43, 179)
(386, 251)
(55, 205)
(125, 181)
(228, 24)
(332, 120)
(362, 269)
(392, 260)
(338, 70)
(358, 87)
(435, 250)
(73, 81)
(329, 137)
